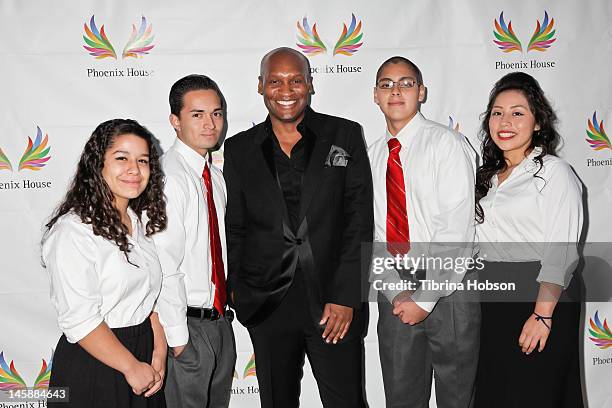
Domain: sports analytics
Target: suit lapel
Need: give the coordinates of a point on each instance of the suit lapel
(270, 180)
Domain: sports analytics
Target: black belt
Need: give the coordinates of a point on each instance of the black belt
(209, 314)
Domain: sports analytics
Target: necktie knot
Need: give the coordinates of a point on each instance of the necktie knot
(394, 145)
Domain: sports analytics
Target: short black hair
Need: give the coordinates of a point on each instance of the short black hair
(398, 60)
(193, 82)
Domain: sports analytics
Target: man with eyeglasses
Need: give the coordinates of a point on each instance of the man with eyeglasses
(423, 175)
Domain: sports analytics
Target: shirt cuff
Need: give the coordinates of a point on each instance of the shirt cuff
(77, 333)
(391, 286)
(425, 299)
(177, 335)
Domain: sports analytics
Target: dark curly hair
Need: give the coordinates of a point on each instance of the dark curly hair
(547, 138)
(91, 199)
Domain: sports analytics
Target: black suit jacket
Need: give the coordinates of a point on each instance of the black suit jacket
(336, 217)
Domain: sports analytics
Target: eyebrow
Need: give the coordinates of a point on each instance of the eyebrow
(511, 107)
(204, 111)
(124, 152)
(404, 77)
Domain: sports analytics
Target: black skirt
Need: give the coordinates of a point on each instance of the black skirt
(507, 377)
(93, 384)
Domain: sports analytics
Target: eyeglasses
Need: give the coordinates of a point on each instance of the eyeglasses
(386, 84)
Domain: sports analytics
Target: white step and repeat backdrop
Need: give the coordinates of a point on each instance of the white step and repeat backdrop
(67, 66)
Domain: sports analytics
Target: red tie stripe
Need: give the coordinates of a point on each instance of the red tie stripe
(218, 271)
(398, 235)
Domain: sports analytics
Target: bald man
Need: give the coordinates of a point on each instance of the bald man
(299, 208)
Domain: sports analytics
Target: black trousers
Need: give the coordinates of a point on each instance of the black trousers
(507, 377)
(285, 337)
(93, 384)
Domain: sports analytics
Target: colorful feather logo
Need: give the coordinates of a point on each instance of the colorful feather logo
(452, 125)
(348, 43)
(507, 41)
(310, 42)
(602, 336)
(249, 369)
(5, 164)
(98, 44)
(597, 134)
(42, 380)
(9, 377)
(140, 41)
(35, 155)
(542, 37)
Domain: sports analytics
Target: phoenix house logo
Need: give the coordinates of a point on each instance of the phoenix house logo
(11, 380)
(597, 138)
(598, 141)
(541, 40)
(249, 369)
(99, 46)
(34, 158)
(601, 334)
(348, 43)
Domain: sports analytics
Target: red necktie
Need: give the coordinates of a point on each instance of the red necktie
(398, 237)
(218, 272)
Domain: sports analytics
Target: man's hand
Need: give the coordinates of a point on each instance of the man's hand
(176, 351)
(337, 319)
(401, 297)
(409, 312)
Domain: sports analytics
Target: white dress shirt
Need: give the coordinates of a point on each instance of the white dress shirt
(543, 213)
(92, 281)
(184, 247)
(439, 167)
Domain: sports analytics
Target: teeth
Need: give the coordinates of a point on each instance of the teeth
(285, 103)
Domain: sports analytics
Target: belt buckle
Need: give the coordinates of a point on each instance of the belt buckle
(214, 314)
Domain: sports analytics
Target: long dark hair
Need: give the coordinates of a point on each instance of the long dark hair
(91, 199)
(547, 138)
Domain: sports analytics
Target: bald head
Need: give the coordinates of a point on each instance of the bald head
(284, 53)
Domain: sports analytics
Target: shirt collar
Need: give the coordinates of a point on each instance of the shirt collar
(193, 158)
(408, 131)
(304, 127)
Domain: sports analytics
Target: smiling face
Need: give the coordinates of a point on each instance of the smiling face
(200, 121)
(511, 124)
(286, 86)
(398, 105)
(126, 168)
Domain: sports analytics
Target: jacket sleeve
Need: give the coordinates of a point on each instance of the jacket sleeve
(358, 227)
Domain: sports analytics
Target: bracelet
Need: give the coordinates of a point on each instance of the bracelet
(542, 319)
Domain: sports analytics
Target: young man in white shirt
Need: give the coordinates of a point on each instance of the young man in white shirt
(423, 176)
(193, 253)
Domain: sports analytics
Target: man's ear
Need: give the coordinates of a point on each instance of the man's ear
(311, 87)
(175, 122)
(422, 93)
(376, 101)
(260, 85)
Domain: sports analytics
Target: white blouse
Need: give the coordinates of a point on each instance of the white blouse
(91, 280)
(539, 218)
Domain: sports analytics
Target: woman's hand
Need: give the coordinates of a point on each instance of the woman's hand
(158, 362)
(141, 376)
(534, 332)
